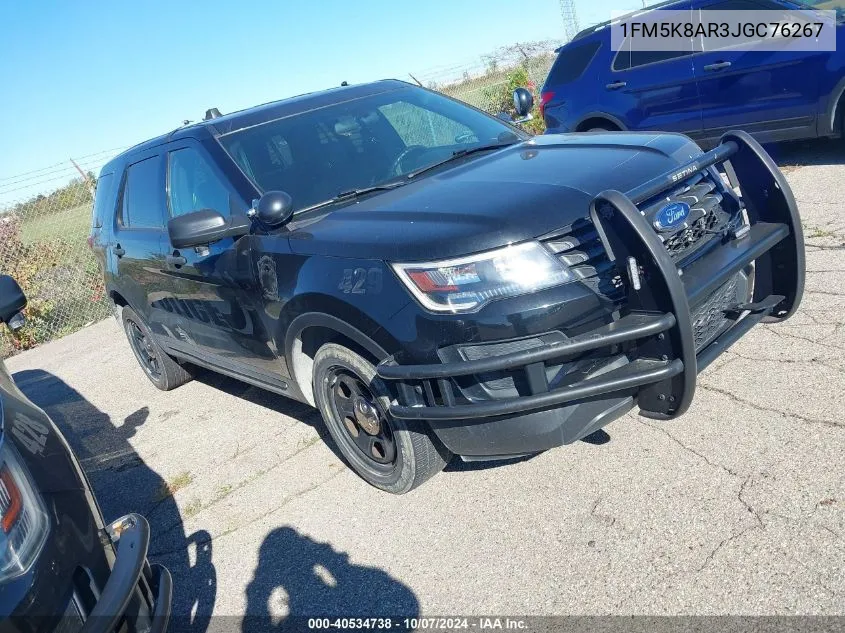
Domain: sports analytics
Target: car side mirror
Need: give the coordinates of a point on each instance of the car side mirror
(274, 208)
(12, 301)
(204, 227)
(523, 101)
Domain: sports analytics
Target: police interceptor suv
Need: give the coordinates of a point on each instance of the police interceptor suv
(436, 281)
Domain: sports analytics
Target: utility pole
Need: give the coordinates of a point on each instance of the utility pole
(84, 177)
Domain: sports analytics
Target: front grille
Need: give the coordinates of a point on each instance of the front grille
(707, 218)
(687, 239)
(713, 210)
(709, 319)
(579, 247)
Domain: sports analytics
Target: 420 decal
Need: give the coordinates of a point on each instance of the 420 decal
(359, 281)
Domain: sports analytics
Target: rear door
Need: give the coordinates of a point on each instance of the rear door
(654, 90)
(104, 207)
(135, 246)
(212, 297)
(772, 94)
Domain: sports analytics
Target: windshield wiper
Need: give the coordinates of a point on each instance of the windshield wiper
(356, 193)
(460, 154)
(352, 194)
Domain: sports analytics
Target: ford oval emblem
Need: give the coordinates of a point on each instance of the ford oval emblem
(671, 216)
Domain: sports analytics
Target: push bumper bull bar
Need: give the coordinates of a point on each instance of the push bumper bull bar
(656, 330)
(131, 535)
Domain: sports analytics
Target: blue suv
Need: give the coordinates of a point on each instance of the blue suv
(775, 96)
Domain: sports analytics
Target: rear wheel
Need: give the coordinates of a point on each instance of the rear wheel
(162, 370)
(354, 403)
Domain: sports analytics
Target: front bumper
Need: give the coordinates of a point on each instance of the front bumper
(130, 576)
(654, 335)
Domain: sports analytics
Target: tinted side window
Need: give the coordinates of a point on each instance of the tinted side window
(641, 58)
(193, 184)
(142, 196)
(571, 63)
(103, 199)
(626, 59)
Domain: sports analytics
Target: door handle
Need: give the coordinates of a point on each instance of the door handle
(175, 260)
(118, 250)
(616, 85)
(716, 66)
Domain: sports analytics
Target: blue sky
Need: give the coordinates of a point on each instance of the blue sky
(85, 76)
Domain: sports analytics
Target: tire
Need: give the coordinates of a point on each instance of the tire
(416, 454)
(162, 370)
(599, 129)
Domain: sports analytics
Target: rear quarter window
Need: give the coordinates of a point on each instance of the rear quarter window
(104, 202)
(571, 63)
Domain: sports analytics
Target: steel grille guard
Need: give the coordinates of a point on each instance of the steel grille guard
(655, 323)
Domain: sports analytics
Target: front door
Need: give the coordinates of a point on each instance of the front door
(772, 94)
(213, 292)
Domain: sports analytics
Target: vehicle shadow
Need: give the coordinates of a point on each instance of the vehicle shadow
(299, 578)
(124, 483)
(280, 404)
(808, 152)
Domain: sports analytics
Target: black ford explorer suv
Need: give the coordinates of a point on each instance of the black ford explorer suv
(61, 568)
(434, 280)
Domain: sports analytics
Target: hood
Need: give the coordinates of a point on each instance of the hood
(489, 200)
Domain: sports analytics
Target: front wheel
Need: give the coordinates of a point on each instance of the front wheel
(354, 404)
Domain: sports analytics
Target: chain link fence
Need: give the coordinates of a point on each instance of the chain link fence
(43, 237)
(488, 83)
(43, 245)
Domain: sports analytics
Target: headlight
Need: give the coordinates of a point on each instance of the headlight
(468, 283)
(23, 519)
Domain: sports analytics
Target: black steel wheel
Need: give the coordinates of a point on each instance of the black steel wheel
(366, 425)
(144, 349)
(162, 370)
(354, 403)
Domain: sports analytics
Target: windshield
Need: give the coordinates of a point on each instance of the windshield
(316, 155)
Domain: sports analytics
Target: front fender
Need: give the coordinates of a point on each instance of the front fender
(355, 325)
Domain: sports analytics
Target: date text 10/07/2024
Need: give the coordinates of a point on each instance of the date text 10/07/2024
(420, 623)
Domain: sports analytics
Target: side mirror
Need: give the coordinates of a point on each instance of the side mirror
(204, 227)
(523, 101)
(12, 301)
(274, 208)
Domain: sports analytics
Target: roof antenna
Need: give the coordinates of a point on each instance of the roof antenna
(211, 113)
(344, 83)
